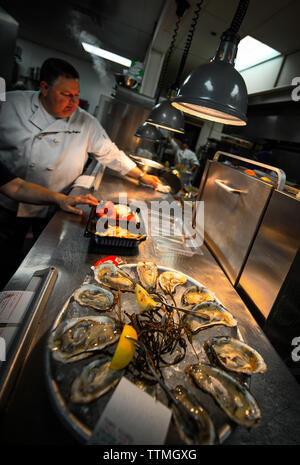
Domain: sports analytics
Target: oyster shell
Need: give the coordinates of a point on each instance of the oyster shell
(235, 355)
(205, 434)
(168, 280)
(234, 399)
(94, 296)
(75, 338)
(113, 277)
(208, 314)
(146, 386)
(95, 380)
(147, 272)
(196, 295)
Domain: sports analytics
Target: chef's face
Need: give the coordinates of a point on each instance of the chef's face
(184, 146)
(62, 97)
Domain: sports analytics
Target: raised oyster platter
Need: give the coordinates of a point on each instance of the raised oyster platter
(194, 343)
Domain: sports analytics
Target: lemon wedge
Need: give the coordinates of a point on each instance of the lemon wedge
(143, 299)
(125, 349)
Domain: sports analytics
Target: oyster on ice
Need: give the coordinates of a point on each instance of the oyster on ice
(196, 295)
(233, 398)
(93, 296)
(76, 338)
(168, 280)
(95, 380)
(146, 386)
(147, 272)
(113, 277)
(205, 434)
(208, 314)
(234, 355)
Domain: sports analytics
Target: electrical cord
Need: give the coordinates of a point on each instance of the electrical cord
(232, 32)
(188, 44)
(181, 8)
(239, 16)
(166, 61)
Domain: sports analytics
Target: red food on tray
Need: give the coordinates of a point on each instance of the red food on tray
(106, 209)
(118, 212)
(130, 217)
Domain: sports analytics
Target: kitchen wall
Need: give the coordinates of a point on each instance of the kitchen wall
(8, 34)
(263, 76)
(277, 72)
(209, 130)
(93, 83)
(290, 69)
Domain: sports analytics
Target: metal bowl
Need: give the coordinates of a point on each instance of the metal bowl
(147, 165)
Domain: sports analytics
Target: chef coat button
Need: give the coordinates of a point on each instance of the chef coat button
(32, 165)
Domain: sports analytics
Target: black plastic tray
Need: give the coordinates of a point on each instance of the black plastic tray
(113, 241)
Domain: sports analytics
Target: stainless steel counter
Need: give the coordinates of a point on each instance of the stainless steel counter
(63, 246)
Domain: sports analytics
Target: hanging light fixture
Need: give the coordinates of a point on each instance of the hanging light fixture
(216, 91)
(163, 114)
(149, 132)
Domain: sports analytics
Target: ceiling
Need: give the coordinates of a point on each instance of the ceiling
(127, 27)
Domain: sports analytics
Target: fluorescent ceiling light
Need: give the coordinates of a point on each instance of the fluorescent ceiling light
(105, 54)
(251, 52)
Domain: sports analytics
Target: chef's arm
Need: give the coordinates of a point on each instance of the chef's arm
(22, 191)
(174, 143)
(144, 177)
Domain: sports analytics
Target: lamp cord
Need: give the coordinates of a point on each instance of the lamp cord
(167, 59)
(237, 19)
(231, 33)
(188, 44)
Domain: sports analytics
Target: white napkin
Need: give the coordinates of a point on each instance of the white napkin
(164, 189)
(84, 181)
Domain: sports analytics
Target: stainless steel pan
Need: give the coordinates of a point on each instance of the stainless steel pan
(147, 165)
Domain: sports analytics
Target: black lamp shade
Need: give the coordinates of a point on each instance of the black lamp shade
(214, 91)
(166, 116)
(149, 132)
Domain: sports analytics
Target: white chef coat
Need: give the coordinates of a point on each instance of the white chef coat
(49, 151)
(184, 157)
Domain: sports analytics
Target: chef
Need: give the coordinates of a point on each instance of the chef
(17, 189)
(183, 154)
(45, 138)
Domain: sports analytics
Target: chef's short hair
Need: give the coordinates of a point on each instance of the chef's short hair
(185, 140)
(52, 68)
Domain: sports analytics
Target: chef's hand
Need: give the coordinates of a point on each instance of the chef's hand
(68, 203)
(151, 180)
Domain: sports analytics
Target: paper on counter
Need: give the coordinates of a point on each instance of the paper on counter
(163, 188)
(132, 417)
(13, 305)
(7, 334)
(84, 181)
